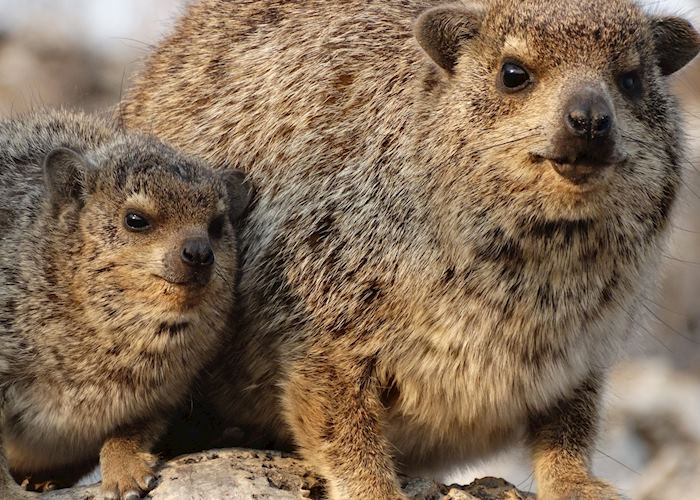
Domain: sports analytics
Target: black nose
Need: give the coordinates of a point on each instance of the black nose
(588, 115)
(197, 252)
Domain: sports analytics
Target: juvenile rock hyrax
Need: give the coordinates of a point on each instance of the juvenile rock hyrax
(117, 256)
(459, 206)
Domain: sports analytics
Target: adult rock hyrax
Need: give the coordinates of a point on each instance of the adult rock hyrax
(117, 256)
(459, 207)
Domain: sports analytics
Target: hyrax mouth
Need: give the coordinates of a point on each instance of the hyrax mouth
(190, 266)
(578, 172)
(585, 143)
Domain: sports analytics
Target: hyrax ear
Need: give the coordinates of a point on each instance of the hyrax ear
(676, 42)
(64, 173)
(240, 193)
(442, 30)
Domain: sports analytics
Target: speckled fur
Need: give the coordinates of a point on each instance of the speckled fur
(417, 291)
(94, 348)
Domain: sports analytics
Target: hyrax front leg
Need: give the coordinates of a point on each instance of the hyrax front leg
(562, 441)
(335, 414)
(127, 466)
(8, 487)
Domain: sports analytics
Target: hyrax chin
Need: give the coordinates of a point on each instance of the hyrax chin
(117, 260)
(459, 207)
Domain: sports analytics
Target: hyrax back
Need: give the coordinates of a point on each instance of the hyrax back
(458, 208)
(117, 260)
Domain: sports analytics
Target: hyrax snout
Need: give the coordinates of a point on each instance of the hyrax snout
(117, 265)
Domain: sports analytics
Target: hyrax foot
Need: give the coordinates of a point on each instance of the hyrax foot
(126, 473)
(10, 489)
(590, 489)
(41, 487)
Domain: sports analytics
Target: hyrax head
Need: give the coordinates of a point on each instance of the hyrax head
(562, 100)
(152, 225)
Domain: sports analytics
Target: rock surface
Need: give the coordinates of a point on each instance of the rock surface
(237, 474)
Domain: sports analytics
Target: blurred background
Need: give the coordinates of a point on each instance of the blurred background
(82, 53)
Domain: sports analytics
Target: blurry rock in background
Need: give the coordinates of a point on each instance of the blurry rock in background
(81, 53)
(75, 53)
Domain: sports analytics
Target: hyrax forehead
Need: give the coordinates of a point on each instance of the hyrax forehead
(573, 32)
(145, 174)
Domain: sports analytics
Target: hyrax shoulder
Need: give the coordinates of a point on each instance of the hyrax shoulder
(458, 205)
(117, 264)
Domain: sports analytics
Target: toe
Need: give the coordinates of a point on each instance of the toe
(148, 483)
(132, 495)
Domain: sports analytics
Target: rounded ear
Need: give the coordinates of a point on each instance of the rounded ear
(676, 42)
(442, 30)
(64, 172)
(240, 193)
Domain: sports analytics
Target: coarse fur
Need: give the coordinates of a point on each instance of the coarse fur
(419, 286)
(100, 337)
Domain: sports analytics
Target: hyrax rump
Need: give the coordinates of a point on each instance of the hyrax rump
(459, 206)
(117, 257)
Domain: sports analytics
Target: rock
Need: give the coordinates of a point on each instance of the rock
(235, 474)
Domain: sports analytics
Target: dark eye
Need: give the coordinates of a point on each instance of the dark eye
(136, 222)
(216, 227)
(514, 77)
(631, 83)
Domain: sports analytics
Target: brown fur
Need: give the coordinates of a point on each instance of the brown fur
(419, 289)
(97, 343)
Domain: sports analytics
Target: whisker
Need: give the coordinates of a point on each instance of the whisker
(689, 339)
(618, 462)
(644, 329)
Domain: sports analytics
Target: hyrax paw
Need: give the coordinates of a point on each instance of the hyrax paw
(129, 478)
(29, 484)
(15, 491)
(582, 490)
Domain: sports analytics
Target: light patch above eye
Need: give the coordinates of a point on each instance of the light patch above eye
(517, 48)
(629, 61)
(142, 202)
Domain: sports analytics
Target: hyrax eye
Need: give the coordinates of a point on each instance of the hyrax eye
(514, 77)
(136, 222)
(216, 227)
(631, 83)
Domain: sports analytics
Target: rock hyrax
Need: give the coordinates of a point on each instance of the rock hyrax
(117, 257)
(459, 206)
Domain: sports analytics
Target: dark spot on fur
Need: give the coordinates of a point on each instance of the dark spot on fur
(371, 293)
(607, 294)
(500, 248)
(114, 350)
(328, 433)
(323, 229)
(272, 16)
(343, 80)
(432, 79)
(172, 329)
(368, 373)
(448, 275)
(124, 376)
(389, 394)
(110, 231)
(545, 298)
(16, 423)
(567, 229)
(104, 269)
(216, 68)
(339, 326)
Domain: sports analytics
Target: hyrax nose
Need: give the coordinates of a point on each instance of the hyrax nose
(588, 115)
(197, 252)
